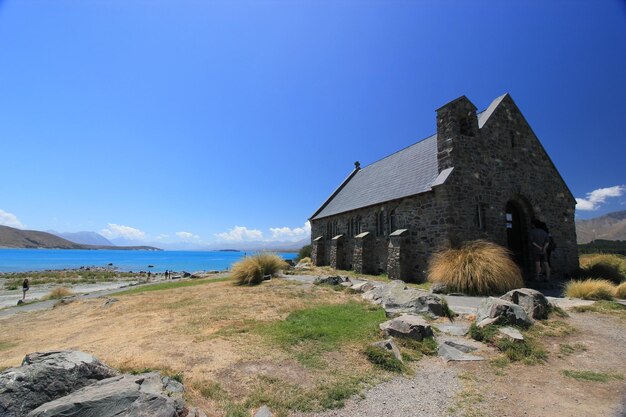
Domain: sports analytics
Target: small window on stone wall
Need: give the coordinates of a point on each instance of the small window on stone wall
(329, 230)
(512, 136)
(391, 221)
(480, 216)
(380, 223)
(359, 225)
(465, 126)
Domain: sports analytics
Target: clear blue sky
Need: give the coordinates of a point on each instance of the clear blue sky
(196, 116)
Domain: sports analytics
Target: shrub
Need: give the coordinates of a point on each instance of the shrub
(305, 260)
(304, 252)
(620, 290)
(477, 268)
(252, 269)
(590, 289)
(603, 266)
(59, 292)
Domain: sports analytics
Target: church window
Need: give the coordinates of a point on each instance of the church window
(380, 223)
(465, 126)
(359, 225)
(391, 221)
(480, 216)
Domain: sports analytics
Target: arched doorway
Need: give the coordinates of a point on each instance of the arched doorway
(517, 223)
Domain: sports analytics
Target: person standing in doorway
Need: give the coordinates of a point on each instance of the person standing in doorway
(540, 242)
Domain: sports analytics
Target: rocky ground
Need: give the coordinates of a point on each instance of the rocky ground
(434, 386)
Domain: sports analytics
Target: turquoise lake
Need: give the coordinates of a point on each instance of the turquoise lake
(16, 260)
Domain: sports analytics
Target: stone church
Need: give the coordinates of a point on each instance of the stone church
(483, 175)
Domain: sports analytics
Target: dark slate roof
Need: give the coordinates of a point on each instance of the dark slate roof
(411, 171)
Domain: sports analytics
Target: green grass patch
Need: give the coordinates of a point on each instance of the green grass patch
(384, 359)
(566, 349)
(529, 351)
(170, 285)
(414, 350)
(484, 334)
(592, 376)
(311, 332)
(604, 307)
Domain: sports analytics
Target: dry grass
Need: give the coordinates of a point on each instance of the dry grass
(208, 335)
(603, 266)
(252, 269)
(59, 292)
(477, 268)
(305, 260)
(590, 289)
(620, 291)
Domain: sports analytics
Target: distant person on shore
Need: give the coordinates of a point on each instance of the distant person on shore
(540, 241)
(167, 274)
(25, 287)
(149, 274)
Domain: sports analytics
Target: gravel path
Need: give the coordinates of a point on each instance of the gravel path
(429, 393)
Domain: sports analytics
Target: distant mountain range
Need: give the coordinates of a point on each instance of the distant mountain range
(611, 226)
(17, 238)
(85, 238)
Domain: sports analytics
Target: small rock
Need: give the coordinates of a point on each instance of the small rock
(486, 322)
(334, 280)
(264, 411)
(408, 326)
(438, 288)
(453, 329)
(65, 301)
(450, 353)
(511, 333)
(389, 346)
(460, 346)
(109, 302)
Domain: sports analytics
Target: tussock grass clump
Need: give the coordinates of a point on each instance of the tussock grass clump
(590, 289)
(477, 268)
(305, 260)
(603, 266)
(252, 269)
(59, 292)
(620, 291)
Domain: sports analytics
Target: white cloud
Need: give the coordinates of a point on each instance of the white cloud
(10, 219)
(287, 233)
(113, 231)
(187, 235)
(240, 233)
(597, 197)
(162, 236)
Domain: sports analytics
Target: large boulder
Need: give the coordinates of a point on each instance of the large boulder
(123, 395)
(397, 298)
(44, 377)
(502, 310)
(407, 326)
(532, 301)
